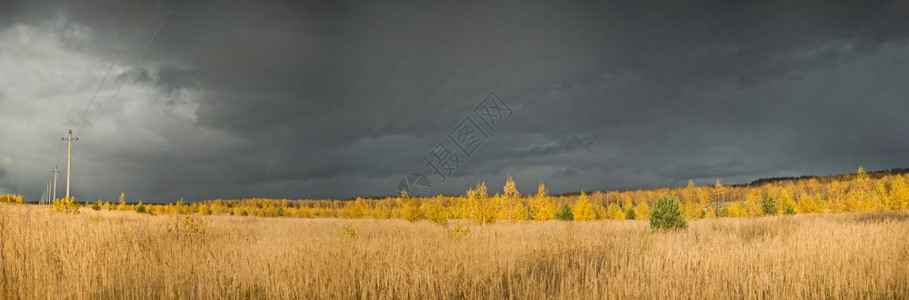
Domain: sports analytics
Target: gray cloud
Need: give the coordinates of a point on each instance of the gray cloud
(336, 99)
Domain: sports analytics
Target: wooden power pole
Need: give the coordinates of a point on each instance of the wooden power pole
(69, 158)
(54, 192)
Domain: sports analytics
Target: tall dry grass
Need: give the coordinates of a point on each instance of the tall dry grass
(111, 255)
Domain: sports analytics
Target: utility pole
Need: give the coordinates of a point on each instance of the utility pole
(55, 171)
(69, 158)
(46, 192)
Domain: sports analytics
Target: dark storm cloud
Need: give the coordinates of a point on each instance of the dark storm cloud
(335, 98)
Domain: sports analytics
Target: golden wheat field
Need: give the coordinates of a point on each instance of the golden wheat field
(122, 255)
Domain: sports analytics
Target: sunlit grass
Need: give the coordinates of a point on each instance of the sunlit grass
(110, 254)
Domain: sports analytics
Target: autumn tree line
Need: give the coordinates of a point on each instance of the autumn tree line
(10, 198)
(857, 192)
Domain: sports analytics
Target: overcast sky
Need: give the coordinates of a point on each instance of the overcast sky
(337, 99)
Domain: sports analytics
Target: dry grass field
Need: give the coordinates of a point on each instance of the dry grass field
(123, 255)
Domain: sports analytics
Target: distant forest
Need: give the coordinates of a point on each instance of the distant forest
(824, 179)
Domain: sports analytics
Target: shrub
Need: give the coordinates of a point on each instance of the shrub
(434, 211)
(630, 214)
(710, 213)
(736, 210)
(565, 213)
(667, 214)
(768, 205)
(66, 205)
(189, 228)
(789, 210)
(203, 209)
(349, 232)
(458, 231)
(412, 211)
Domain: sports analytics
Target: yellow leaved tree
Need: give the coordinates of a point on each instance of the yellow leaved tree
(583, 210)
(512, 209)
(642, 211)
(121, 205)
(434, 210)
(9, 198)
(542, 207)
(613, 212)
(411, 211)
(899, 193)
(737, 210)
(691, 205)
(479, 208)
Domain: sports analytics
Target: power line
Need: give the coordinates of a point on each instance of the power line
(142, 54)
(50, 190)
(158, 29)
(131, 27)
(129, 32)
(57, 161)
(144, 50)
